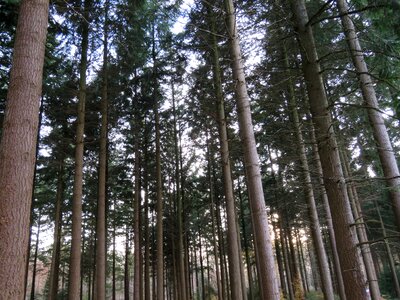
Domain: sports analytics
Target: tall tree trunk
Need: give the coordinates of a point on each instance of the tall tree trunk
(101, 250)
(35, 258)
(75, 258)
(55, 259)
(315, 227)
(246, 245)
(361, 231)
(212, 212)
(268, 283)
(328, 217)
(181, 255)
(17, 155)
(159, 208)
(333, 175)
(137, 283)
(233, 234)
(126, 266)
(382, 140)
(114, 279)
(392, 265)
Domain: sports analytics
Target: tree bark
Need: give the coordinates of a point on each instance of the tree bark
(75, 258)
(101, 250)
(382, 140)
(233, 234)
(55, 260)
(137, 283)
(361, 231)
(18, 145)
(268, 283)
(328, 218)
(315, 227)
(333, 175)
(35, 258)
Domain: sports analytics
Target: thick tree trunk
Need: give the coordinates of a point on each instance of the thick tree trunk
(75, 258)
(268, 283)
(17, 155)
(101, 250)
(55, 260)
(382, 140)
(333, 175)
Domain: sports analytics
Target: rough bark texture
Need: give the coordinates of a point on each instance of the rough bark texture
(101, 255)
(383, 144)
(268, 283)
(74, 282)
(333, 175)
(18, 145)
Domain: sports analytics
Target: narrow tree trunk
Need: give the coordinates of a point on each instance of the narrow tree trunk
(392, 265)
(333, 175)
(361, 232)
(268, 283)
(137, 283)
(181, 255)
(55, 260)
(35, 258)
(315, 227)
(246, 243)
(212, 212)
(382, 140)
(17, 155)
(328, 218)
(159, 208)
(233, 234)
(75, 258)
(101, 251)
(114, 279)
(126, 266)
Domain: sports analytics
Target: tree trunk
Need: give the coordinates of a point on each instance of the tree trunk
(101, 250)
(75, 258)
(126, 266)
(268, 283)
(328, 218)
(361, 232)
(17, 155)
(159, 208)
(233, 234)
(137, 283)
(182, 290)
(383, 144)
(35, 258)
(55, 260)
(315, 227)
(333, 175)
(212, 212)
